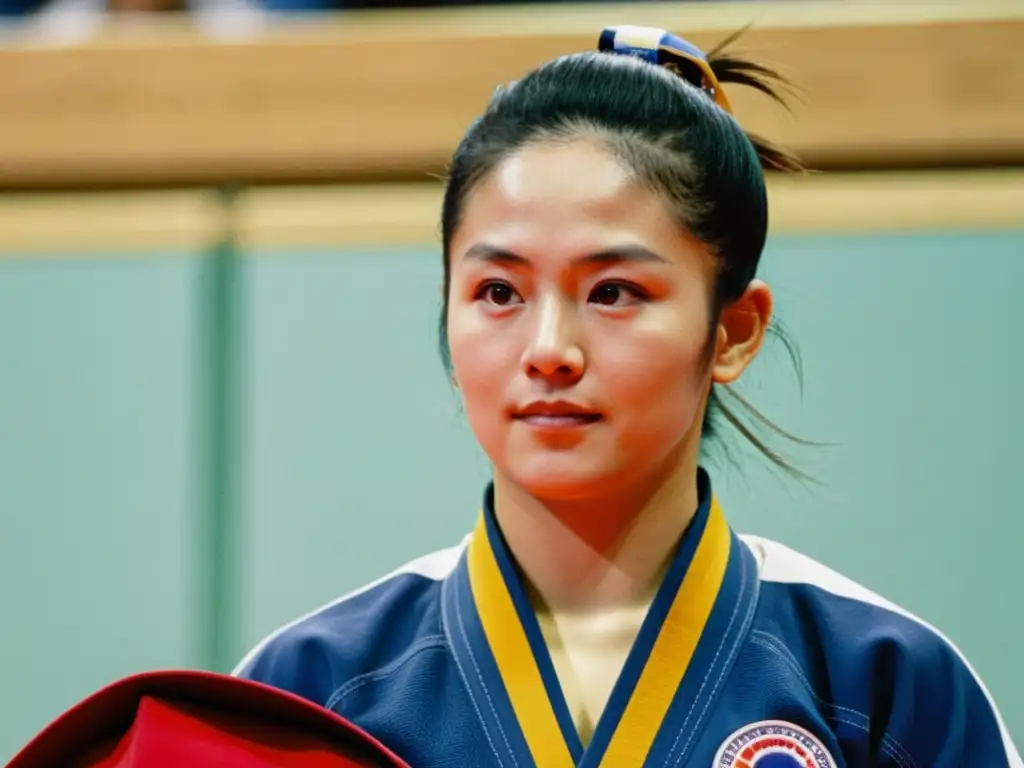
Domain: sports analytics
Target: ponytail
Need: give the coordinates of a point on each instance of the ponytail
(729, 68)
(734, 69)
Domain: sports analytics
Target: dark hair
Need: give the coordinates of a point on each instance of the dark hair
(677, 140)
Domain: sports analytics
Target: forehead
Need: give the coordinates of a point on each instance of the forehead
(560, 197)
(577, 173)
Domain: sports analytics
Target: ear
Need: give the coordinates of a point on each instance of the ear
(741, 330)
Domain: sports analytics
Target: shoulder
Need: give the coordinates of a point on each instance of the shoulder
(376, 627)
(801, 578)
(902, 673)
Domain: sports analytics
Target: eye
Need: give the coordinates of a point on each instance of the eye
(616, 295)
(498, 293)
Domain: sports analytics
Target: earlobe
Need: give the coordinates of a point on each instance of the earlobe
(741, 330)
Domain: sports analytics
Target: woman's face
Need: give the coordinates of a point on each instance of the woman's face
(578, 322)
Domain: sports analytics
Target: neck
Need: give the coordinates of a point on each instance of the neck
(599, 553)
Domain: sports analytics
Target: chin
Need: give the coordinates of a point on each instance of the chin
(550, 479)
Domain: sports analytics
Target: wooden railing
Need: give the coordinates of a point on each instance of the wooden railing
(386, 95)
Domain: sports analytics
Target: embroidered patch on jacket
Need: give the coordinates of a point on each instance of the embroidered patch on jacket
(773, 744)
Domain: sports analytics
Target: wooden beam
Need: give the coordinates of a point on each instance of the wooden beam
(89, 225)
(840, 203)
(379, 94)
(276, 219)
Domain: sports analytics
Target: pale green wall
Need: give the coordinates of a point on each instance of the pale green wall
(354, 457)
(96, 441)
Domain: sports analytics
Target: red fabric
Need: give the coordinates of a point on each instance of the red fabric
(200, 720)
(170, 735)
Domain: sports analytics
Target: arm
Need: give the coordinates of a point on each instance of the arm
(942, 716)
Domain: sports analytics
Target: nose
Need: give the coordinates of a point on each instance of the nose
(554, 351)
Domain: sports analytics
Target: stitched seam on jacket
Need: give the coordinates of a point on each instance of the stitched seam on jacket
(889, 744)
(487, 695)
(751, 607)
(423, 644)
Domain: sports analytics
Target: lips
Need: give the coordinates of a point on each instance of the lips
(552, 421)
(557, 415)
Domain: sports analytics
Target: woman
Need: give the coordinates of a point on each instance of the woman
(602, 227)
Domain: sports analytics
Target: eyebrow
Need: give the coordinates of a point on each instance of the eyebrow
(493, 254)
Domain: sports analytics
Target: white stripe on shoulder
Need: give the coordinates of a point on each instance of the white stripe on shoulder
(779, 563)
(435, 566)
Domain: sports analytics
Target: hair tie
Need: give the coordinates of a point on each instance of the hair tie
(664, 49)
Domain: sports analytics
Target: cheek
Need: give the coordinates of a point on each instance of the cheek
(657, 372)
(482, 360)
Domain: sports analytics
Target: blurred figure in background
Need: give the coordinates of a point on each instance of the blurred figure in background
(63, 21)
(66, 13)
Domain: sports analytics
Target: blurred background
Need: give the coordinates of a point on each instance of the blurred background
(221, 403)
